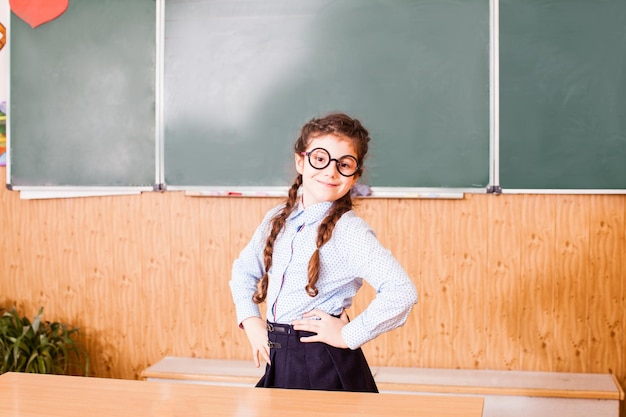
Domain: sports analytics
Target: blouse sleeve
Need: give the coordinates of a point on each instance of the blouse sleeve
(247, 270)
(395, 291)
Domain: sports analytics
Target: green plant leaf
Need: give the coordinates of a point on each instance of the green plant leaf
(40, 346)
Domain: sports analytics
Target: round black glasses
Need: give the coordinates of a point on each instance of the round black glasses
(319, 158)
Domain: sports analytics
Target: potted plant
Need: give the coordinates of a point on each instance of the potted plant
(40, 346)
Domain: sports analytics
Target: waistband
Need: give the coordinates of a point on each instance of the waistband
(280, 328)
(284, 333)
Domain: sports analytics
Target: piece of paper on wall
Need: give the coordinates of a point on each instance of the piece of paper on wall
(4, 80)
(38, 12)
(3, 133)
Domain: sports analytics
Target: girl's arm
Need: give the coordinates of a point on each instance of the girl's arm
(246, 272)
(256, 331)
(365, 258)
(395, 291)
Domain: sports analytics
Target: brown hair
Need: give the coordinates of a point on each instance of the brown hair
(347, 128)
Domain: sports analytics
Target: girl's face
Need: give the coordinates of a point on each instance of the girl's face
(325, 184)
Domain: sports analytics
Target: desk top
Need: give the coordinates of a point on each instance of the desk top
(31, 395)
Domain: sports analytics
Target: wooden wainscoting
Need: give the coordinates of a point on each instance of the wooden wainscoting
(521, 282)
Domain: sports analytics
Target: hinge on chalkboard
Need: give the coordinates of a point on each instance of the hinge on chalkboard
(494, 189)
(160, 187)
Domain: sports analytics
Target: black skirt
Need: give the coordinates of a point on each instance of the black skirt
(315, 365)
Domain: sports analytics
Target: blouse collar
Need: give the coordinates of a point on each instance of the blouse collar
(312, 214)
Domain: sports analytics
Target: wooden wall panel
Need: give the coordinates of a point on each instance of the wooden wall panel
(404, 347)
(186, 273)
(572, 282)
(210, 313)
(436, 304)
(156, 319)
(605, 289)
(471, 284)
(128, 335)
(531, 282)
(620, 360)
(536, 227)
(107, 293)
(502, 284)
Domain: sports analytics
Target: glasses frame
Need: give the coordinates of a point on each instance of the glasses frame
(308, 155)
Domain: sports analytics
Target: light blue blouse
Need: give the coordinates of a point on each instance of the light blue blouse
(351, 255)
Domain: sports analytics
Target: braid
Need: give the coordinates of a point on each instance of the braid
(325, 232)
(278, 222)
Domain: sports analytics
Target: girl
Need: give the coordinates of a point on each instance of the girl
(307, 260)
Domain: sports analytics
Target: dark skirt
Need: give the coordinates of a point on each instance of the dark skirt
(315, 366)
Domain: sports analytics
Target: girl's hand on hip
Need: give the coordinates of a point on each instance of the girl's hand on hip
(256, 330)
(327, 327)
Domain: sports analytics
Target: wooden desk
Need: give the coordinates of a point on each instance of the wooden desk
(34, 395)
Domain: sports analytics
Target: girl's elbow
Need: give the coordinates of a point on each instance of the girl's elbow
(411, 294)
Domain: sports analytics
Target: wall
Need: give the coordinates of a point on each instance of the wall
(532, 282)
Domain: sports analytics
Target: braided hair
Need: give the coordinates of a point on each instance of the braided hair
(344, 127)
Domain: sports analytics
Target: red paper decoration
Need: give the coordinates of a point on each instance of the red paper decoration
(38, 12)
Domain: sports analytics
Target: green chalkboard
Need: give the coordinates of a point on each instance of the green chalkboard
(82, 104)
(563, 94)
(241, 77)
